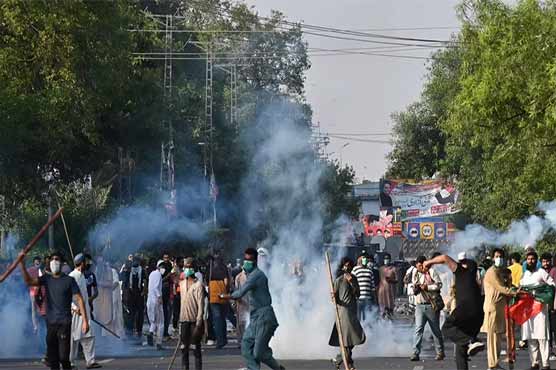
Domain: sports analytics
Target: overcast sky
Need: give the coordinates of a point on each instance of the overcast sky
(357, 93)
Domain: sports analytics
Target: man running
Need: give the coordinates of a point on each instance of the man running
(262, 320)
(465, 321)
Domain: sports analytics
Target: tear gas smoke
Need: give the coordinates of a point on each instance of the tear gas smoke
(523, 232)
(133, 227)
(284, 187)
(15, 310)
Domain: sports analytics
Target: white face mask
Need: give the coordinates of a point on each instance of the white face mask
(55, 267)
(498, 261)
(162, 271)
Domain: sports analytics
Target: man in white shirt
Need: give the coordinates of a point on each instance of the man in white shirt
(536, 329)
(87, 340)
(155, 310)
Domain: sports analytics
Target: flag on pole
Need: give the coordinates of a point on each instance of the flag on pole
(213, 187)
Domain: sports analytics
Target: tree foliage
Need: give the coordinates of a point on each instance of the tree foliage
(74, 95)
(495, 107)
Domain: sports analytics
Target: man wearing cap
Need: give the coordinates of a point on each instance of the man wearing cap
(155, 311)
(87, 340)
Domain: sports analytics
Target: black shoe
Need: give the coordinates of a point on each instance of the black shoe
(535, 367)
(414, 357)
(94, 365)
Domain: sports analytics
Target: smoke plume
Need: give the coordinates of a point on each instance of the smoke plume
(523, 232)
(284, 188)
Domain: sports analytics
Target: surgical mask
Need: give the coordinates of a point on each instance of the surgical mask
(248, 266)
(55, 267)
(188, 271)
(386, 261)
(499, 262)
(364, 261)
(162, 270)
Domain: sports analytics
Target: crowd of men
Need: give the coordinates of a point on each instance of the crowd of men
(193, 301)
(479, 302)
(190, 300)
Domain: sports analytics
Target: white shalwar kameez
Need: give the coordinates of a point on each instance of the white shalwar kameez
(86, 340)
(155, 311)
(536, 330)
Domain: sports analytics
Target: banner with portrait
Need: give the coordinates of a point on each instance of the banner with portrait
(428, 198)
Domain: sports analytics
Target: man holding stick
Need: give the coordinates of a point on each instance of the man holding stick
(87, 340)
(60, 290)
(346, 292)
(192, 309)
(262, 320)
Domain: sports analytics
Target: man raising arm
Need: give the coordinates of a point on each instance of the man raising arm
(61, 289)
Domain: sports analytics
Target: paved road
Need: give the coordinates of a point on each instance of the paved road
(229, 359)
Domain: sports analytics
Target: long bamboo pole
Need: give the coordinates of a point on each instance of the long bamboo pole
(338, 324)
(30, 245)
(67, 235)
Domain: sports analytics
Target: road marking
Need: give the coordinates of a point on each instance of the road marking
(104, 362)
(418, 368)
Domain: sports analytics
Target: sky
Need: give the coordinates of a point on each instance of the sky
(358, 93)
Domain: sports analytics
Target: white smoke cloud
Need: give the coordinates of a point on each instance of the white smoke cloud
(523, 232)
(133, 227)
(284, 186)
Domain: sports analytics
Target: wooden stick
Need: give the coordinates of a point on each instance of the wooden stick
(175, 354)
(67, 235)
(30, 245)
(338, 324)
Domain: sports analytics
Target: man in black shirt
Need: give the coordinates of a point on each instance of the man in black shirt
(464, 323)
(61, 289)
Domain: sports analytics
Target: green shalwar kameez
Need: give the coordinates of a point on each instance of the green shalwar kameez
(262, 322)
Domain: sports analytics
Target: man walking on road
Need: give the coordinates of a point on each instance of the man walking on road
(426, 288)
(263, 323)
(61, 289)
(155, 311)
(465, 321)
(192, 308)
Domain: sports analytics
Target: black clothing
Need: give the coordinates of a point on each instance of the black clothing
(219, 271)
(58, 337)
(468, 314)
(59, 295)
(176, 306)
(92, 286)
(136, 307)
(453, 331)
(189, 337)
